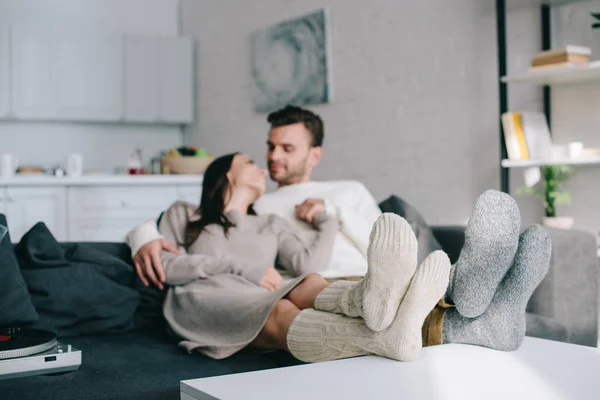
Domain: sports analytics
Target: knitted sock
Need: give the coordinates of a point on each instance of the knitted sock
(502, 326)
(491, 240)
(320, 336)
(392, 260)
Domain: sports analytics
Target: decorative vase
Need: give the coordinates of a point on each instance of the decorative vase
(559, 222)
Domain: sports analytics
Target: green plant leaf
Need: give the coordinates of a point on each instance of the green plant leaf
(596, 25)
(596, 15)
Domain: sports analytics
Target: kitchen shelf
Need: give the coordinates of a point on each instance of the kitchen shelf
(558, 2)
(556, 161)
(559, 75)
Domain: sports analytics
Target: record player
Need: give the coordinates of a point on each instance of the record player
(25, 352)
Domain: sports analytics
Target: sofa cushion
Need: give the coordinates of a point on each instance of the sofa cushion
(545, 328)
(77, 290)
(17, 307)
(424, 234)
(134, 366)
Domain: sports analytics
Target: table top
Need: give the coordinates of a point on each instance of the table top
(540, 369)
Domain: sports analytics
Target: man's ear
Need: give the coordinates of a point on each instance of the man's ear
(316, 153)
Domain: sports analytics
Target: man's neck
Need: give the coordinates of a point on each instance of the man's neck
(303, 180)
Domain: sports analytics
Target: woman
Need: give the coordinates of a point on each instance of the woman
(225, 293)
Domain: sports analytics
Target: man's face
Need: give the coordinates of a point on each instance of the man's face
(290, 156)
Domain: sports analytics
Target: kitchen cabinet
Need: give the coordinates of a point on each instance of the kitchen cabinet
(2, 201)
(176, 69)
(87, 76)
(4, 72)
(30, 73)
(70, 76)
(159, 79)
(25, 206)
(84, 211)
(141, 79)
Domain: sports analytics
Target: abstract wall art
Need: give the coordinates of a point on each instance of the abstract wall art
(290, 63)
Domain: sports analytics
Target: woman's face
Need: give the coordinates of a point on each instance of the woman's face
(244, 173)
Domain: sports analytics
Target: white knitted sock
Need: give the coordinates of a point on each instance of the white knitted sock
(320, 336)
(427, 287)
(392, 260)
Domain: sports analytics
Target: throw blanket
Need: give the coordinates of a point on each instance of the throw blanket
(76, 289)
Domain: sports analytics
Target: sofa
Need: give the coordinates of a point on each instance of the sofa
(145, 362)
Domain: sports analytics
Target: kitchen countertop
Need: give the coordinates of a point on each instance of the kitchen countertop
(101, 180)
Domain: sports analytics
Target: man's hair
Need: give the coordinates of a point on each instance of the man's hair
(292, 115)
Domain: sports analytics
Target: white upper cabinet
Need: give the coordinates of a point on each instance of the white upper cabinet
(159, 84)
(176, 69)
(141, 79)
(87, 76)
(4, 72)
(47, 74)
(30, 75)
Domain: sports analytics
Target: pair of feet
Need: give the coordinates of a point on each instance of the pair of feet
(495, 276)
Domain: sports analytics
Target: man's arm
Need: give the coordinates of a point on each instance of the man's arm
(356, 222)
(146, 245)
(140, 235)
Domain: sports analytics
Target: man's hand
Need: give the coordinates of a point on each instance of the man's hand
(147, 261)
(309, 209)
(272, 280)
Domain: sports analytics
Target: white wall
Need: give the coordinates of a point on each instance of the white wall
(104, 146)
(415, 108)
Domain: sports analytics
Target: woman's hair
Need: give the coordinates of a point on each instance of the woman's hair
(212, 204)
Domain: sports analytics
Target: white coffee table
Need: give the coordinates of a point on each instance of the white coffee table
(540, 369)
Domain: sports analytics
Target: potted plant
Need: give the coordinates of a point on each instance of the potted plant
(597, 23)
(551, 191)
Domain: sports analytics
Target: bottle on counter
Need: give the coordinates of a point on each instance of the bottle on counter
(135, 166)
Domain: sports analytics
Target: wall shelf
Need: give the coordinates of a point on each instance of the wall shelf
(556, 161)
(558, 2)
(559, 75)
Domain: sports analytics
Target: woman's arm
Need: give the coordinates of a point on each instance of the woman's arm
(300, 258)
(184, 268)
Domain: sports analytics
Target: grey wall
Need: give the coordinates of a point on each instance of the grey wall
(415, 108)
(103, 146)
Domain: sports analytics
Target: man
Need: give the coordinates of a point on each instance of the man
(294, 148)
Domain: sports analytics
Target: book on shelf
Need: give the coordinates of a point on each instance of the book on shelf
(527, 135)
(566, 56)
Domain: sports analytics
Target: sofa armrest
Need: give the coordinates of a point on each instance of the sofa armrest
(569, 292)
(451, 238)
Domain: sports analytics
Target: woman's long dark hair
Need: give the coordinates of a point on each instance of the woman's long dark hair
(212, 204)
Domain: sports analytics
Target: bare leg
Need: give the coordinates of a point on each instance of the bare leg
(303, 296)
(274, 334)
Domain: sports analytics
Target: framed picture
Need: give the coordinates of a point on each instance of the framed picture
(291, 63)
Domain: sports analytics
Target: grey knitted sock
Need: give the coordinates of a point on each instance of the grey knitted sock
(392, 260)
(502, 326)
(491, 240)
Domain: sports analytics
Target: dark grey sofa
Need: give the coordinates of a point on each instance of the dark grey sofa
(148, 365)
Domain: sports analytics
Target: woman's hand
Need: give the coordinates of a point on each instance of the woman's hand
(272, 280)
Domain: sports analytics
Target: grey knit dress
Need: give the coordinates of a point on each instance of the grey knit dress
(214, 301)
